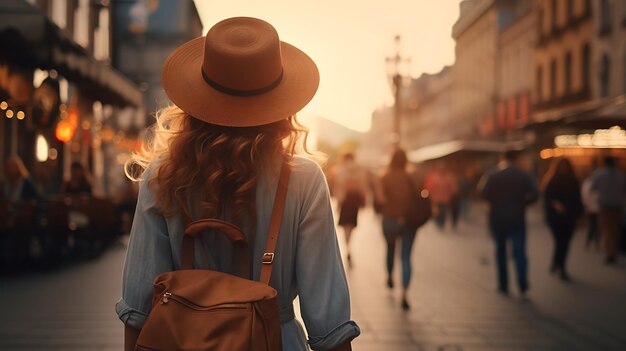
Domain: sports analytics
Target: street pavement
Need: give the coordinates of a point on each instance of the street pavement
(454, 304)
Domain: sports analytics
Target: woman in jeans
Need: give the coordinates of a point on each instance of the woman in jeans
(217, 153)
(395, 195)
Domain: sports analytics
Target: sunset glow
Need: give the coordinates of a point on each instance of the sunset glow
(349, 41)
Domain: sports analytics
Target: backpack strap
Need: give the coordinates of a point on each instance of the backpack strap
(277, 215)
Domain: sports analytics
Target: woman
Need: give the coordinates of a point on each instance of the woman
(217, 154)
(351, 190)
(395, 195)
(563, 205)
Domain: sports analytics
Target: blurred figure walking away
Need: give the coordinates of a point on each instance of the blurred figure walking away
(351, 190)
(509, 190)
(78, 184)
(442, 187)
(592, 207)
(395, 194)
(608, 181)
(563, 206)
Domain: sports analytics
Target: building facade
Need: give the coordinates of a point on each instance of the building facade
(427, 110)
(514, 79)
(475, 71)
(609, 51)
(562, 57)
(59, 94)
(146, 32)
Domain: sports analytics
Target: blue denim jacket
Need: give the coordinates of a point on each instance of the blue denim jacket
(307, 262)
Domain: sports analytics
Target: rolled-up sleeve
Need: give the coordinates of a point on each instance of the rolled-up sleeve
(322, 285)
(148, 255)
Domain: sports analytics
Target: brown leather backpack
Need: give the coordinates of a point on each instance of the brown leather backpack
(207, 310)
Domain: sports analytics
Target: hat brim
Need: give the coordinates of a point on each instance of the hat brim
(185, 86)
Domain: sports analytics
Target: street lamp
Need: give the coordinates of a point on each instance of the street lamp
(395, 79)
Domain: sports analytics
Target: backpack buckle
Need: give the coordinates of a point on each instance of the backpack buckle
(268, 258)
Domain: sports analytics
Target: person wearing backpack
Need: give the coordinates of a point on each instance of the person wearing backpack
(223, 155)
(398, 194)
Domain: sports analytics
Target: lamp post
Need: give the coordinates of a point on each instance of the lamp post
(395, 78)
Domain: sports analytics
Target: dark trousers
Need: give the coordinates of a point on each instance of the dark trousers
(517, 236)
(609, 221)
(562, 231)
(393, 230)
(440, 219)
(593, 233)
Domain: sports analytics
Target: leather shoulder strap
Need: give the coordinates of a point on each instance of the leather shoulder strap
(277, 215)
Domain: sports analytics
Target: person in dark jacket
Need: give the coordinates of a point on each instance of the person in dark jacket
(509, 190)
(563, 205)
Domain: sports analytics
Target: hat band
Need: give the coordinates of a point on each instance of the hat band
(238, 92)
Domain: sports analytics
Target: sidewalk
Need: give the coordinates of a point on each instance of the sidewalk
(454, 304)
(453, 301)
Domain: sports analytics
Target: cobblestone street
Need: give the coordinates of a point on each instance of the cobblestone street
(454, 305)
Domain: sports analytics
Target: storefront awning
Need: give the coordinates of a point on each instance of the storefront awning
(437, 151)
(29, 39)
(595, 114)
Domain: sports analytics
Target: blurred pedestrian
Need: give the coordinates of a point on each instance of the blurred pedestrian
(508, 191)
(395, 195)
(219, 152)
(18, 186)
(563, 206)
(592, 207)
(442, 187)
(78, 184)
(609, 182)
(351, 192)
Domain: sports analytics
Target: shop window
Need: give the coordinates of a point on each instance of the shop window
(569, 10)
(540, 25)
(539, 83)
(553, 79)
(568, 73)
(624, 73)
(586, 62)
(605, 17)
(605, 74)
(554, 8)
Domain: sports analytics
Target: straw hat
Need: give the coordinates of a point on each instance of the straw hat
(240, 75)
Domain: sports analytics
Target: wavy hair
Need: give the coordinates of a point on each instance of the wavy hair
(217, 165)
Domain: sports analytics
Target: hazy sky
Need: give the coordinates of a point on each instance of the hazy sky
(349, 40)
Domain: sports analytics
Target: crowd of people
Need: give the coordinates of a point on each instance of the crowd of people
(43, 229)
(508, 189)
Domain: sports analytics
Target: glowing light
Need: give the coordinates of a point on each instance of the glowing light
(546, 154)
(53, 154)
(612, 138)
(4, 105)
(42, 149)
(9, 113)
(64, 131)
(20, 115)
(86, 125)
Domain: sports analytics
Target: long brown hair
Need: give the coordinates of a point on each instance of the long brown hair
(561, 169)
(217, 165)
